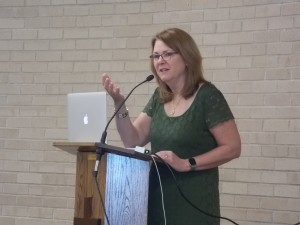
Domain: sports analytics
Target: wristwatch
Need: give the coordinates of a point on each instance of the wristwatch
(192, 163)
(122, 115)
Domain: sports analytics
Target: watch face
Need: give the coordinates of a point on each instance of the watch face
(192, 162)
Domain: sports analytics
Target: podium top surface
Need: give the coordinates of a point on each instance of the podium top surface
(74, 147)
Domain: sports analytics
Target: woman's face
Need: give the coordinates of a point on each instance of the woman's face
(170, 67)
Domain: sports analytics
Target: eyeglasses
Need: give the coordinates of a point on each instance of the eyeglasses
(165, 56)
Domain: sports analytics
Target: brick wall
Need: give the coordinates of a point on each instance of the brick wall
(49, 48)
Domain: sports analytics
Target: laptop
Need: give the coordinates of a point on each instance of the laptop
(86, 116)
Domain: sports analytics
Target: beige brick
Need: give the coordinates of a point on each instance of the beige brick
(274, 177)
(267, 36)
(8, 177)
(205, 4)
(20, 56)
(287, 164)
(261, 163)
(280, 22)
(253, 49)
(203, 27)
(48, 56)
(11, 23)
(7, 220)
(114, 44)
(216, 14)
(17, 211)
(98, 55)
(50, 34)
(239, 62)
(86, 67)
(251, 74)
(76, 33)
(20, 34)
(255, 24)
(267, 10)
(59, 191)
(225, 75)
(87, 44)
(63, 21)
(251, 99)
(177, 5)
(215, 63)
(76, 10)
(259, 215)
(60, 67)
(17, 189)
(34, 67)
(285, 217)
(153, 7)
(11, 45)
(242, 12)
(293, 178)
(292, 191)
(38, 212)
(240, 37)
(234, 188)
(289, 60)
(248, 176)
(62, 44)
(63, 214)
(265, 61)
(276, 203)
(51, 11)
(229, 26)
(290, 9)
(289, 35)
(278, 74)
(37, 22)
(63, 2)
(12, 67)
(4, 56)
(55, 179)
(276, 125)
(101, 9)
(114, 20)
(80, 55)
(259, 189)
(29, 201)
(215, 39)
(227, 200)
(55, 202)
(144, 19)
(289, 86)
(247, 202)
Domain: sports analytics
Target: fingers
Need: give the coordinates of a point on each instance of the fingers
(111, 88)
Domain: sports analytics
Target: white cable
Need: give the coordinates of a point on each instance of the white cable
(161, 190)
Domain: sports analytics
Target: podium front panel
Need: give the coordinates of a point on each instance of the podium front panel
(127, 182)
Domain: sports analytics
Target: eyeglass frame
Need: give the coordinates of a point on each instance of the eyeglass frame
(166, 56)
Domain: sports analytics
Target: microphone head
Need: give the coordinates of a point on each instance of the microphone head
(150, 77)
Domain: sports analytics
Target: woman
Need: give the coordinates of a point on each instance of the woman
(189, 125)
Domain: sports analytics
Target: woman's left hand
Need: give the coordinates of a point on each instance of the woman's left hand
(177, 163)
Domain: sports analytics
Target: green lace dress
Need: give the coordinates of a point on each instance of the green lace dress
(187, 135)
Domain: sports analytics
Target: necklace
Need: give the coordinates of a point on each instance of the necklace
(174, 106)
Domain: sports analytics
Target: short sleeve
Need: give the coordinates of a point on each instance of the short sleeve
(216, 108)
(152, 104)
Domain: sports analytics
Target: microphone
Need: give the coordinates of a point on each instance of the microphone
(100, 151)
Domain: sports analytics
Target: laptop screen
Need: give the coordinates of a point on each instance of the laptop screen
(86, 116)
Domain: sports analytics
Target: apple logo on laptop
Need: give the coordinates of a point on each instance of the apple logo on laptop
(86, 119)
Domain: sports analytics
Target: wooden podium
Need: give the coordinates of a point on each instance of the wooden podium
(123, 180)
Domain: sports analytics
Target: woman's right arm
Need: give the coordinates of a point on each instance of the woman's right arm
(132, 134)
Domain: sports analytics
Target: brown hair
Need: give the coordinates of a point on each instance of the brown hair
(181, 42)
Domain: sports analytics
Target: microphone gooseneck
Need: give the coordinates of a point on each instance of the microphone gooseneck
(100, 151)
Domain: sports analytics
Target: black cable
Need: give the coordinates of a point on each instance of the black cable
(101, 199)
(185, 198)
